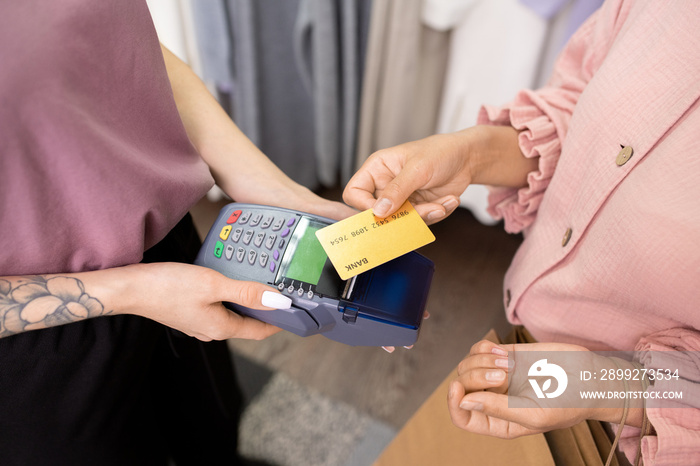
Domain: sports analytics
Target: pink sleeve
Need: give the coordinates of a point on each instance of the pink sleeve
(543, 115)
(518, 207)
(676, 435)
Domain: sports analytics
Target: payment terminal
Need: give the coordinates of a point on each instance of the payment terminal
(381, 307)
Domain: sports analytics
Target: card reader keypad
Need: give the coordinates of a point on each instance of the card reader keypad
(255, 240)
(251, 242)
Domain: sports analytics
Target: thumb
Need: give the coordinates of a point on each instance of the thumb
(496, 405)
(411, 178)
(253, 295)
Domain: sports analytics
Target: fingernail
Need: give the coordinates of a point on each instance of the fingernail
(500, 351)
(504, 363)
(471, 406)
(495, 376)
(450, 204)
(454, 386)
(388, 349)
(275, 300)
(381, 207)
(408, 347)
(436, 214)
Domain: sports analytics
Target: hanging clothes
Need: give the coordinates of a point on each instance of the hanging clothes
(563, 17)
(494, 51)
(329, 54)
(577, 11)
(290, 78)
(268, 96)
(403, 77)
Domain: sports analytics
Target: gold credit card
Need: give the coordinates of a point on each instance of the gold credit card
(363, 241)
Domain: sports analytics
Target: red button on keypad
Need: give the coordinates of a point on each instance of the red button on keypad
(234, 216)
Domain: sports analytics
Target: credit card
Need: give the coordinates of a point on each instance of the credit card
(363, 241)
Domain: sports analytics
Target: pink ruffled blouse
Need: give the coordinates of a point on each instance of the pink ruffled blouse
(611, 256)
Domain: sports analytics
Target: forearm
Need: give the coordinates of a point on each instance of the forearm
(238, 166)
(185, 297)
(223, 146)
(494, 156)
(43, 301)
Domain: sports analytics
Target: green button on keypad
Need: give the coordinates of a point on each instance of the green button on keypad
(218, 249)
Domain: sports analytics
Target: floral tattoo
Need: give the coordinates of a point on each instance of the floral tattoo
(36, 302)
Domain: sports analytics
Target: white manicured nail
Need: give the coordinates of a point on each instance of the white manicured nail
(275, 300)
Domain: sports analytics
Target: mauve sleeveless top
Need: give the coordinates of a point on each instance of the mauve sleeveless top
(95, 164)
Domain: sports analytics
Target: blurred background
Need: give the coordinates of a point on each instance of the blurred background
(319, 85)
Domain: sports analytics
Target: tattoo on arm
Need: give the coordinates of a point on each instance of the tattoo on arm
(36, 302)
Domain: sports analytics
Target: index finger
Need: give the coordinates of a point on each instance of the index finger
(489, 347)
(383, 183)
(370, 179)
(359, 192)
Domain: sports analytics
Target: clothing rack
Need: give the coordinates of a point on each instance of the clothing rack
(319, 85)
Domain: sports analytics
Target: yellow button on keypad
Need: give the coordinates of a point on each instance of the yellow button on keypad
(225, 231)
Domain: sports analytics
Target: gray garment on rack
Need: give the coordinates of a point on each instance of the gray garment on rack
(264, 94)
(355, 33)
(296, 69)
(268, 91)
(215, 39)
(213, 44)
(243, 97)
(316, 51)
(330, 42)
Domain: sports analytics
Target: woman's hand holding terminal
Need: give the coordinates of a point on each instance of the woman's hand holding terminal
(185, 297)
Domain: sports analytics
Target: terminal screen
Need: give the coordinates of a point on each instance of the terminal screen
(306, 261)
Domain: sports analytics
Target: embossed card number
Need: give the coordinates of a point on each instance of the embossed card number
(363, 241)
